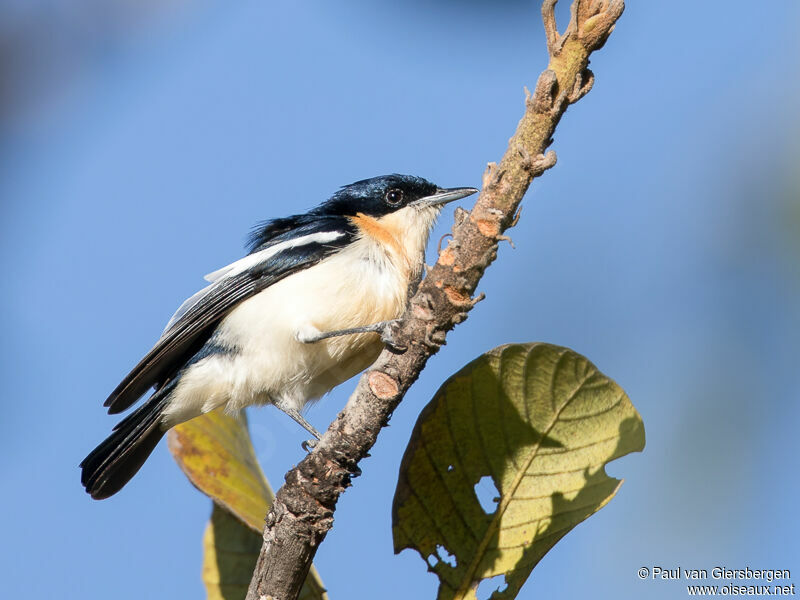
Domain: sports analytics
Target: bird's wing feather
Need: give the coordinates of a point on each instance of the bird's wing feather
(196, 319)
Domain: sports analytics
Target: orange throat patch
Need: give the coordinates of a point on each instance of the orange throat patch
(384, 233)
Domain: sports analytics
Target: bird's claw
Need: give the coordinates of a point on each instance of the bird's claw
(389, 336)
(309, 445)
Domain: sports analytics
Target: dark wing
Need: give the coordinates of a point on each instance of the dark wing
(196, 320)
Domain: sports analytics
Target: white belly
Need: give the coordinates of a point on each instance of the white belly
(268, 364)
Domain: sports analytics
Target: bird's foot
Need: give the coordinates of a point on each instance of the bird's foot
(388, 333)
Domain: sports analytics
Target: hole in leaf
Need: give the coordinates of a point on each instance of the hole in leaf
(487, 494)
(445, 556)
(487, 587)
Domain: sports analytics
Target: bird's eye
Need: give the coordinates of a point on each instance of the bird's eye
(394, 197)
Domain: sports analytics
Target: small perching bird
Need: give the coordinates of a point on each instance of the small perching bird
(309, 307)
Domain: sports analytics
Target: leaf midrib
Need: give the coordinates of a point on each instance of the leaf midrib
(506, 499)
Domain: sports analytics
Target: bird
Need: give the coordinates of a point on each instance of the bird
(312, 304)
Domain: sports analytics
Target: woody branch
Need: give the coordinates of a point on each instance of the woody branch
(303, 510)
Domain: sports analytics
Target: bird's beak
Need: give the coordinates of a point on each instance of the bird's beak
(442, 197)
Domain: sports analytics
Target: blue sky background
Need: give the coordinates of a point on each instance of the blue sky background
(139, 142)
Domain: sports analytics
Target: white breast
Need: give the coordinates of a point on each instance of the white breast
(268, 363)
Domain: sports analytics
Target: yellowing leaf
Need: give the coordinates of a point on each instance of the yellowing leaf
(541, 421)
(230, 551)
(216, 454)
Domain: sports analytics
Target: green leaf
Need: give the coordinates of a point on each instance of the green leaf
(542, 422)
(216, 454)
(230, 551)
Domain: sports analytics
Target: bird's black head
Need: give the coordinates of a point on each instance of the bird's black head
(377, 196)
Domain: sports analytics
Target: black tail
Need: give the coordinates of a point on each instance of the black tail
(112, 464)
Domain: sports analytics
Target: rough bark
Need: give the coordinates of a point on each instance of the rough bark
(303, 510)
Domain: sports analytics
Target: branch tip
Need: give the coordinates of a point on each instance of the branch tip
(554, 40)
(302, 513)
(593, 21)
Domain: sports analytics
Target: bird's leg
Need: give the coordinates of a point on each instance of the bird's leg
(311, 334)
(295, 414)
